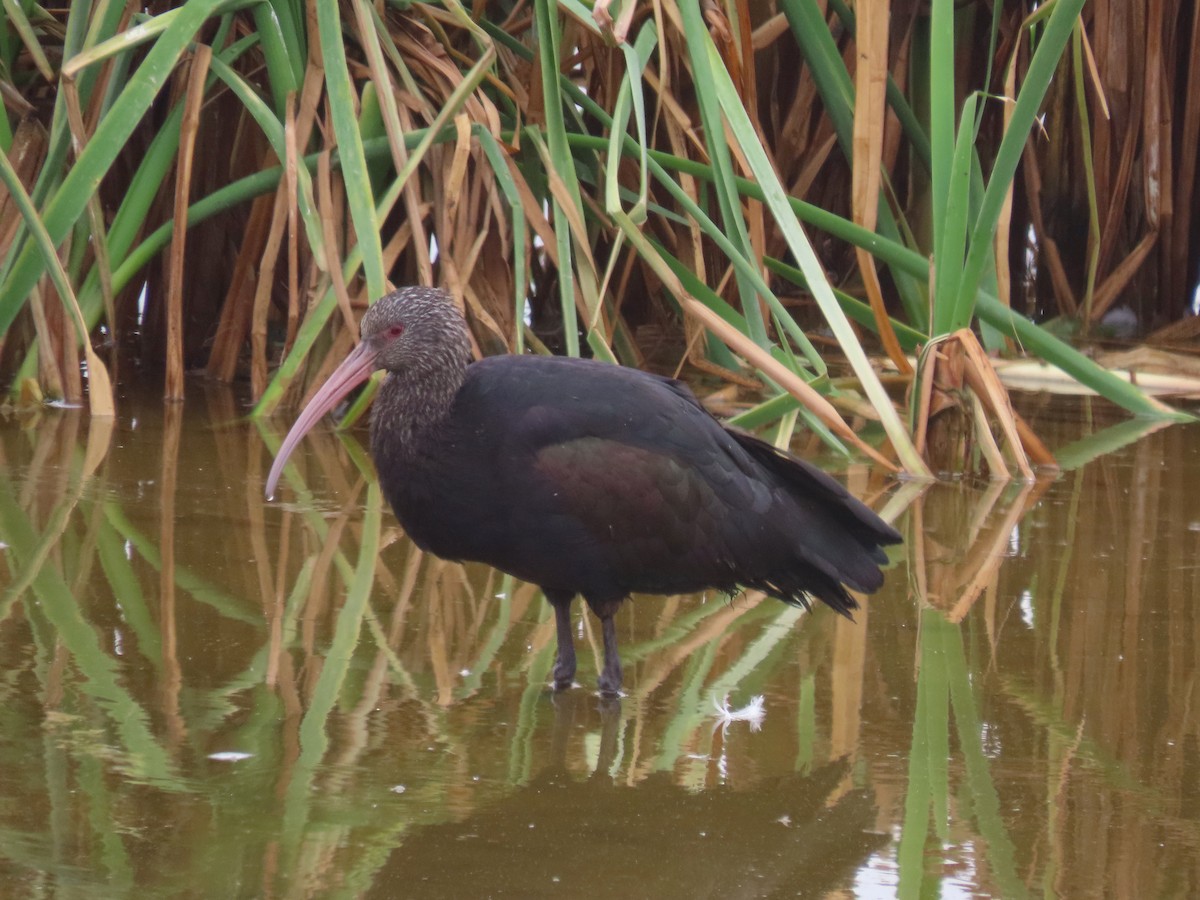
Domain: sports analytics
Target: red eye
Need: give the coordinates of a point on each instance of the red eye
(394, 331)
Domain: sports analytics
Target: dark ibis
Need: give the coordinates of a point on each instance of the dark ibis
(588, 478)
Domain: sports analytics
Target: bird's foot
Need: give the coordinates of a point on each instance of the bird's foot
(563, 675)
(610, 686)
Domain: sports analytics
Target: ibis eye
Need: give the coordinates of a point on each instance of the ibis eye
(394, 331)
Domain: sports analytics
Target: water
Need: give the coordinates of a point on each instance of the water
(203, 694)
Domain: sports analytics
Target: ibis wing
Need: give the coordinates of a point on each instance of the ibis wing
(601, 477)
(643, 483)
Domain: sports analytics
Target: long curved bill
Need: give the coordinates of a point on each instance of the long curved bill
(354, 370)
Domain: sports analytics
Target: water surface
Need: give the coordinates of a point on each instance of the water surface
(203, 694)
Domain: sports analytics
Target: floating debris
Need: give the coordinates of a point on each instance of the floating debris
(753, 712)
(229, 756)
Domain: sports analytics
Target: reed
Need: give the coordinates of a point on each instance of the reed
(578, 182)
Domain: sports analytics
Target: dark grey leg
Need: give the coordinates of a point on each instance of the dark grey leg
(610, 678)
(564, 662)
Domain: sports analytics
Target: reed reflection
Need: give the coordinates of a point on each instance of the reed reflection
(293, 697)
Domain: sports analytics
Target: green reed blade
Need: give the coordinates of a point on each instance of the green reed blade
(942, 106)
(112, 133)
(807, 21)
(711, 102)
(717, 304)
(954, 207)
(1079, 82)
(798, 243)
(508, 187)
(285, 72)
(343, 104)
(630, 99)
(856, 309)
(1051, 44)
(561, 161)
(20, 23)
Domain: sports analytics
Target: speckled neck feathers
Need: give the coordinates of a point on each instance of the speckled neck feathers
(426, 365)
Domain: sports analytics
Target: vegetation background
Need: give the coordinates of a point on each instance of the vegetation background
(224, 186)
(752, 188)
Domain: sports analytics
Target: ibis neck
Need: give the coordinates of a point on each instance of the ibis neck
(412, 405)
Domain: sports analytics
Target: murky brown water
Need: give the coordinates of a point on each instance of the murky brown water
(204, 695)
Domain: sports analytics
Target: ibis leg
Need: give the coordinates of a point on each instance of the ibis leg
(610, 678)
(564, 662)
